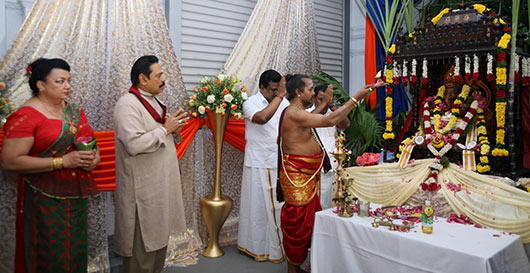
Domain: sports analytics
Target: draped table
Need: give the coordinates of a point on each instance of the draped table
(353, 245)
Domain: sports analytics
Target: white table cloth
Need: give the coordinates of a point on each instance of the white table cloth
(343, 245)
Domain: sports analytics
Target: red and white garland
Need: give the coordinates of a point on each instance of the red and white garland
(467, 68)
(526, 71)
(476, 73)
(404, 75)
(489, 69)
(517, 74)
(458, 77)
(431, 183)
(424, 73)
(413, 77)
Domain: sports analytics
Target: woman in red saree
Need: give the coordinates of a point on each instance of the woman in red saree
(55, 179)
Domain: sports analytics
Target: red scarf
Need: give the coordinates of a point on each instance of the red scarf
(134, 90)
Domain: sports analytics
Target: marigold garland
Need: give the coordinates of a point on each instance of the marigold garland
(500, 99)
(389, 134)
(439, 16)
(455, 111)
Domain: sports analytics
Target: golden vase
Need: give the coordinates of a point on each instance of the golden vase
(215, 207)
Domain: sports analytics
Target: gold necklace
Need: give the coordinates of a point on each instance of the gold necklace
(297, 106)
(64, 117)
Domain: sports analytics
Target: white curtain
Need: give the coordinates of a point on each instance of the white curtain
(280, 35)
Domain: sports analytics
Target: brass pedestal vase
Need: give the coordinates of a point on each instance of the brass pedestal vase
(215, 207)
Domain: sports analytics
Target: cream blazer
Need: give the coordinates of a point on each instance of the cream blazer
(147, 179)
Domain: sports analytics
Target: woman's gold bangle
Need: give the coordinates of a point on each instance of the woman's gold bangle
(57, 163)
(354, 100)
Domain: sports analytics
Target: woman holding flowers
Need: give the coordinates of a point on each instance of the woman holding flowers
(55, 177)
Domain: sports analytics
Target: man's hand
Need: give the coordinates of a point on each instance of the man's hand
(282, 89)
(176, 121)
(328, 96)
(364, 92)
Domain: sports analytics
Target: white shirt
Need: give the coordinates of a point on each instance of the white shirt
(152, 100)
(327, 136)
(261, 150)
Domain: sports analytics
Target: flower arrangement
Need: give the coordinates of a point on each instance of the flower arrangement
(221, 94)
(368, 159)
(431, 183)
(85, 143)
(5, 105)
(388, 134)
(500, 99)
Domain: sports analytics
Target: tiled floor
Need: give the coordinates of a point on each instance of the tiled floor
(233, 261)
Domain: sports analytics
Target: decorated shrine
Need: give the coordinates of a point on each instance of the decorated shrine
(461, 56)
(466, 138)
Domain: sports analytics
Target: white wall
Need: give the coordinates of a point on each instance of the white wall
(12, 14)
(329, 23)
(357, 39)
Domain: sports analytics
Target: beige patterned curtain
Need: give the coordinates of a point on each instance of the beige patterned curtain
(100, 42)
(280, 35)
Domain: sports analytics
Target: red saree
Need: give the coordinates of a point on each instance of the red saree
(51, 226)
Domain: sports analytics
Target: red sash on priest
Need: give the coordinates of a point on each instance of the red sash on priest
(299, 178)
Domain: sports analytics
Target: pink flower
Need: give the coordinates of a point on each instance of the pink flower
(368, 159)
(83, 139)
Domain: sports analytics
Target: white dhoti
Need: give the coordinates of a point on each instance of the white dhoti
(259, 233)
(326, 186)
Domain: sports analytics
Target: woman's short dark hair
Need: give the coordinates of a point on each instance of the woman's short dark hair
(269, 76)
(142, 66)
(40, 69)
(295, 82)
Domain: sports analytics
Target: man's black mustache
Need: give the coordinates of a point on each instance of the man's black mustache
(163, 84)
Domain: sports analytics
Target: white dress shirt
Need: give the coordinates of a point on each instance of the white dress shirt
(327, 136)
(261, 150)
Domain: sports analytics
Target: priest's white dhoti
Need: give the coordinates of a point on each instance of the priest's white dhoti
(259, 233)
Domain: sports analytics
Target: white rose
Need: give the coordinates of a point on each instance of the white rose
(222, 77)
(204, 80)
(210, 99)
(244, 95)
(228, 98)
(201, 109)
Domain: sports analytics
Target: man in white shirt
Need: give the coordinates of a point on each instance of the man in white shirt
(259, 233)
(323, 104)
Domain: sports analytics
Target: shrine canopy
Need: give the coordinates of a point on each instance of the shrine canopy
(476, 42)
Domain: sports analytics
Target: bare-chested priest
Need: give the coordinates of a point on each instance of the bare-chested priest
(302, 159)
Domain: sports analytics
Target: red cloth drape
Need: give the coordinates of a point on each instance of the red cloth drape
(370, 65)
(105, 173)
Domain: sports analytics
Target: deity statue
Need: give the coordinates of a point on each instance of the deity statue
(446, 124)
